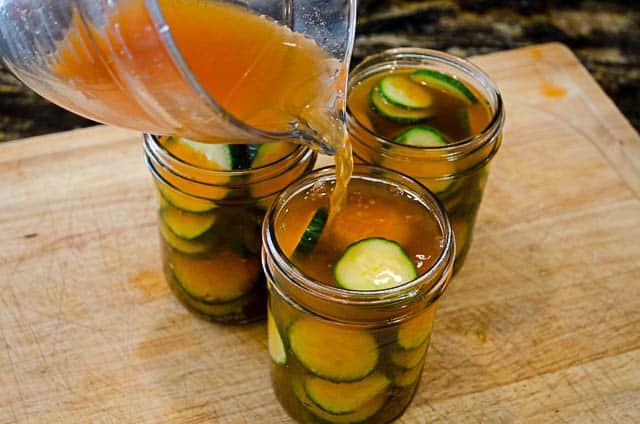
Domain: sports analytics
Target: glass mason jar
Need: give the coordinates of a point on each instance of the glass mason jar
(210, 220)
(341, 355)
(456, 170)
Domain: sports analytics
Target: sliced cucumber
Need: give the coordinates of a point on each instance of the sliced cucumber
(396, 113)
(431, 78)
(361, 415)
(312, 232)
(435, 174)
(184, 224)
(264, 190)
(453, 199)
(416, 331)
(403, 92)
(407, 378)
(220, 278)
(463, 119)
(408, 359)
(190, 247)
(221, 157)
(344, 398)
(183, 201)
(283, 314)
(374, 264)
(276, 346)
(424, 136)
(233, 310)
(269, 153)
(242, 155)
(437, 185)
(421, 136)
(332, 352)
(206, 155)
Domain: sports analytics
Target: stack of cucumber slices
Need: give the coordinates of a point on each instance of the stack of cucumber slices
(347, 374)
(225, 157)
(400, 99)
(408, 99)
(213, 248)
(212, 254)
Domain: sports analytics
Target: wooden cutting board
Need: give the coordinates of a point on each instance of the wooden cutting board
(542, 324)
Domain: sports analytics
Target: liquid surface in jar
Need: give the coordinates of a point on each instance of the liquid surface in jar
(456, 113)
(371, 210)
(261, 72)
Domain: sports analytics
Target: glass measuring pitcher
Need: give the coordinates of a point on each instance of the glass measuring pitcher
(227, 71)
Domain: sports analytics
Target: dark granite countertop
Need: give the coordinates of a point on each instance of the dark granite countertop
(605, 35)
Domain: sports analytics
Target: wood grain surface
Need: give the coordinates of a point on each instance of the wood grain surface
(541, 325)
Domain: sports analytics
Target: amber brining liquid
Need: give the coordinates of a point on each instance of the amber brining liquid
(371, 210)
(448, 116)
(261, 72)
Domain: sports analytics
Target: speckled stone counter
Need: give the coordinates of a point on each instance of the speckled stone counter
(605, 35)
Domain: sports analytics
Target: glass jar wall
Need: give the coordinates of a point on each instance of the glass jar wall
(434, 117)
(352, 355)
(211, 202)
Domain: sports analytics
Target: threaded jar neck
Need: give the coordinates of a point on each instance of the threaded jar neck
(242, 185)
(475, 151)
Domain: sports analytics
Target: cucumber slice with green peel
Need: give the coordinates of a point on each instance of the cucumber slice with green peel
(453, 199)
(242, 155)
(269, 153)
(435, 79)
(403, 92)
(463, 118)
(395, 113)
(416, 331)
(344, 398)
(189, 247)
(284, 315)
(374, 264)
(406, 378)
(223, 156)
(312, 232)
(421, 136)
(235, 308)
(184, 224)
(230, 309)
(221, 278)
(220, 157)
(425, 136)
(361, 415)
(437, 185)
(276, 346)
(301, 237)
(206, 155)
(185, 202)
(331, 352)
(407, 359)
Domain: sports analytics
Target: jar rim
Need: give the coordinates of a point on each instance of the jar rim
(390, 59)
(206, 183)
(166, 157)
(438, 274)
